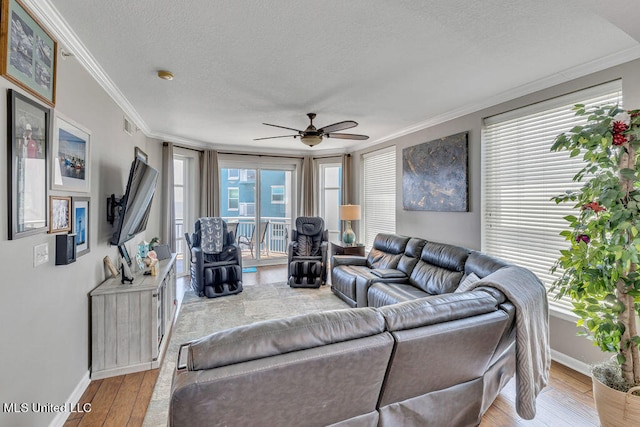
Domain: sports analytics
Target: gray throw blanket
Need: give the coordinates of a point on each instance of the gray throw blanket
(533, 355)
(211, 235)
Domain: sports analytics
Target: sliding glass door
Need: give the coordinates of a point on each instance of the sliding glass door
(184, 179)
(258, 204)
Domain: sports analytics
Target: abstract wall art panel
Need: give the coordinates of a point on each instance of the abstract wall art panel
(435, 175)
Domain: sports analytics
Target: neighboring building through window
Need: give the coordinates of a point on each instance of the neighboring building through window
(241, 193)
(247, 209)
(247, 175)
(234, 198)
(277, 194)
(520, 175)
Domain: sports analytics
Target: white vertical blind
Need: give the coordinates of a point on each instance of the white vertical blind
(379, 194)
(520, 175)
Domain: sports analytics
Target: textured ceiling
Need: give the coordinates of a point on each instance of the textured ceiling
(392, 66)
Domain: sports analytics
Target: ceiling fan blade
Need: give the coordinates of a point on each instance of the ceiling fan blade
(281, 136)
(283, 127)
(347, 124)
(346, 136)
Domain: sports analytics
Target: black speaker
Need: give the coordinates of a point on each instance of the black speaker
(65, 249)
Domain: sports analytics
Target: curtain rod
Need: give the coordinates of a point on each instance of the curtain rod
(261, 155)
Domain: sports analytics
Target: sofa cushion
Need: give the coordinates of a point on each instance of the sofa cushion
(387, 250)
(437, 309)
(446, 256)
(434, 280)
(440, 268)
(467, 282)
(273, 337)
(411, 255)
(381, 294)
(482, 264)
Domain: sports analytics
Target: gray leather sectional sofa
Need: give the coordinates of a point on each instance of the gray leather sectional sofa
(431, 356)
(400, 268)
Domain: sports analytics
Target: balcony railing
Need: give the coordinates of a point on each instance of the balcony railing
(274, 244)
(276, 236)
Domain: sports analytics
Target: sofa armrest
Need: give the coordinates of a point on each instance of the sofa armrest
(337, 260)
(388, 273)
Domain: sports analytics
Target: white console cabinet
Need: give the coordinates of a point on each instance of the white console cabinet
(130, 323)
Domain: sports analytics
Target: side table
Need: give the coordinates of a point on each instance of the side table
(340, 248)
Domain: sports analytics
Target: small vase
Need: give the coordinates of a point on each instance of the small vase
(615, 408)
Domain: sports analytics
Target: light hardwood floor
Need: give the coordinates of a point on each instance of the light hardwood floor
(122, 400)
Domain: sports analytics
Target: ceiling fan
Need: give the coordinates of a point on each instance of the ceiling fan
(312, 136)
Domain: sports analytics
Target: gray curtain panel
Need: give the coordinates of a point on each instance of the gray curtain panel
(305, 189)
(346, 179)
(168, 229)
(209, 184)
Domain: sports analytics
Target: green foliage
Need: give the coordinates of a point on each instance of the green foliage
(599, 270)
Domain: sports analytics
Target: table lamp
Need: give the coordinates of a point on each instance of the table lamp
(349, 213)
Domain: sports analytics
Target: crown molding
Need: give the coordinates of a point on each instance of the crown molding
(564, 76)
(49, 16)
(198, 144)
(55, 23)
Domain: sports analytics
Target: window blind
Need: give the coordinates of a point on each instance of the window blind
(520, 175)
(379, 194)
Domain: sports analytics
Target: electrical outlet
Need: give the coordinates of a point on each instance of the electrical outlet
(40, 254)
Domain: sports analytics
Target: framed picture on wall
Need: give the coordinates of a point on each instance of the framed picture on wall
(28, 52)
(81, 224)
(28, 133)
(70, 156)
(59, 214)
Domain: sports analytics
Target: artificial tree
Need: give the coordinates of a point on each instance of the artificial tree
(600, 269)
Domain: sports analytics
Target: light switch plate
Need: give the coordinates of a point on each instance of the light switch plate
(40, 254)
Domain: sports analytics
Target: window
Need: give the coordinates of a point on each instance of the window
(330, 194)
(379, 194)
(520, 175)
(233, 198)
(233, 174)
(247, 209)
(184, 189)
(277, 194)
(247, 175)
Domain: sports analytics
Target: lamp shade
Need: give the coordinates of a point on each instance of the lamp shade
(350, 212)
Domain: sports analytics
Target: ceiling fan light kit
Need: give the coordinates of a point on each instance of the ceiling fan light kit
(312, 136)
(311, 140)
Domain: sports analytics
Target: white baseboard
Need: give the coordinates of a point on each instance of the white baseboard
(576, 365)
(74, 398)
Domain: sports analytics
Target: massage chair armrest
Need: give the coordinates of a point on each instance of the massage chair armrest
(197, 265)
(292, 248)
(236, 250)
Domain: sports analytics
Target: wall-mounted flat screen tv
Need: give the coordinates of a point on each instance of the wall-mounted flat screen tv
(135, 205)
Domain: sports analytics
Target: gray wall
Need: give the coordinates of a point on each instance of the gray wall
(44, 311)
(465, 228)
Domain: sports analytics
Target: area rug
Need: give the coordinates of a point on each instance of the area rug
(199, 317)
